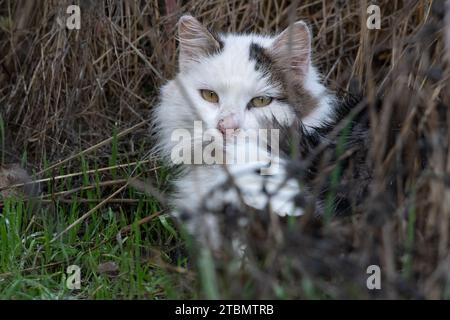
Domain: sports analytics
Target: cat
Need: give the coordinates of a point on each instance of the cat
(230, 84)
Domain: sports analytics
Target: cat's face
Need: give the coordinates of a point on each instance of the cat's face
(236, 81)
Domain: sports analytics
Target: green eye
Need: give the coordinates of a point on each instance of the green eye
(261, 101)
(209, 95)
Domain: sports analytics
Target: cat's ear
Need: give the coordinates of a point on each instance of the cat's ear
(195, 40)
(292, 49)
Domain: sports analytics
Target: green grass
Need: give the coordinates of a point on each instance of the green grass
(136, 238)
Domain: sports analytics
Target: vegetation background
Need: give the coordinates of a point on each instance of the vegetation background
(75, 110)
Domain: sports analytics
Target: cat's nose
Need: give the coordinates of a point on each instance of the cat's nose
(230, 122)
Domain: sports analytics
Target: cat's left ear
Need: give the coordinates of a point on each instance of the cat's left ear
(292, 49)
(195, 41)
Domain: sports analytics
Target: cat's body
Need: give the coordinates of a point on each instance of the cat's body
(239, 83)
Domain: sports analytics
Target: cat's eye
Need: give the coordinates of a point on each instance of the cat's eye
(261, 101)
(209, 95)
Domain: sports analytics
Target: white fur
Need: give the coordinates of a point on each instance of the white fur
(233, 77)
(323, 111)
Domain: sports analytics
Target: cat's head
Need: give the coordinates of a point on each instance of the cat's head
(242, 81)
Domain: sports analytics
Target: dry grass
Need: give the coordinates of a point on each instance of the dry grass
(64, 93)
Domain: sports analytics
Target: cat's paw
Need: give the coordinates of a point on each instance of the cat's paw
(258, 191)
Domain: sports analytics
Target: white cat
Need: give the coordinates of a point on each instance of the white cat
(235, 83)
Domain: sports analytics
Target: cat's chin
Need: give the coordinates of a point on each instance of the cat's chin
(231, 134)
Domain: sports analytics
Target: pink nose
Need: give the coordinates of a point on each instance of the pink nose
(229, 122)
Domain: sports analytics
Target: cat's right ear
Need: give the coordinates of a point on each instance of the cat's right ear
(292, 49)
(195, 41)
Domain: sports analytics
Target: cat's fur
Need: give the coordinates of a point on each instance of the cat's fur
(239, 67)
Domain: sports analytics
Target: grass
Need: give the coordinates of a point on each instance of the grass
(123, 254)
